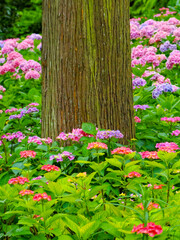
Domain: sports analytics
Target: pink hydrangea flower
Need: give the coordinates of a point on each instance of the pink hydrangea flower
(149, 155)
(151, 229)
(174, 119)
(97, 145)
(61, 156)
(167, 146)
(122, 150)
(133, 174)
(28, 153)
(32, 74)
(26, 192)
(49, 168)
(18, 180)
(41, 196)
(176, 132)
(137, 119)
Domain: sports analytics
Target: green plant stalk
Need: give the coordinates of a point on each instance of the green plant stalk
(5, 151)
(109, 148)
(103, 199)
(168, 183)
(145, 236)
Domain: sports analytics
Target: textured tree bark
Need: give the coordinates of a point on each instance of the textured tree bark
(86, 66)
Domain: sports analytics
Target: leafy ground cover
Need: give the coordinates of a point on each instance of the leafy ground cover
(95, 188)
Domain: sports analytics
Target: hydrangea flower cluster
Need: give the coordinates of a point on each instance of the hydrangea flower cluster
(167, 146)
(38, 140)
(122, 150)
(176, 132)
(173, 59)
(139, 82)
(142, 107)
(24, 112)
(149, 155)
(11, 136)
(137, 119)
(18, 180)
(41, 196)
(97, 145)
(167, 46)
(159, 79)
(36, 178)
(28, 153)
(174, 119)
(26, 192)
(133, 174)
(50, 168)
(62, 156)
(12, 110)
(16, 62)
(165, 87)
(151, 229)
(76, 135)
(109, 134)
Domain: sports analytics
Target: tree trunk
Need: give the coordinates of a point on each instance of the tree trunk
(86, 66)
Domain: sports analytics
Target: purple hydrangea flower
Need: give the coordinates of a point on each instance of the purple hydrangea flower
(61, 156)
(138, 82)
(37, 178)
(165, 87)
(109, 134)
(35, 36)
(142, 107)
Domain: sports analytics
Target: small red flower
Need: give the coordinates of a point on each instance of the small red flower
(38, 216)
(97, 145)
(122, 150)
(40, 196)
(151, 229)
(150, 207)
(158, 186)
(20, 180)
(49, 168)
(149, 155)
(28, 153)
(133, 174)
(26, 192)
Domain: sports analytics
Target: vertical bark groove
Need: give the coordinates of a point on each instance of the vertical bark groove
(86, 66)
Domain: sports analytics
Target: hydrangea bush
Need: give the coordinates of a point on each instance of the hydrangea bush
(94, 187)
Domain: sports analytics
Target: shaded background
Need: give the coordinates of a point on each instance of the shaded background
(18, 18)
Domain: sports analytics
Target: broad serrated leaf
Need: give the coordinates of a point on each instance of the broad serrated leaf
(155, 164)
(87, 230)
(114, 162)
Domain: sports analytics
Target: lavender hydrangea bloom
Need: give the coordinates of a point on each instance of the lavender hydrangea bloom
(173, 47)
(37, 178)
(167, 46)
(32, 109)
(138, 82)
(35, 36)
(17, 116)
(1, 44)
(163, 48)
(142, 107)
(109, 134)
(165, 87)
(2, 60)
(61, 156)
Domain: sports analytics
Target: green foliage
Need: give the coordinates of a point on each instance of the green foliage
(19, 18)
(147, 8)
